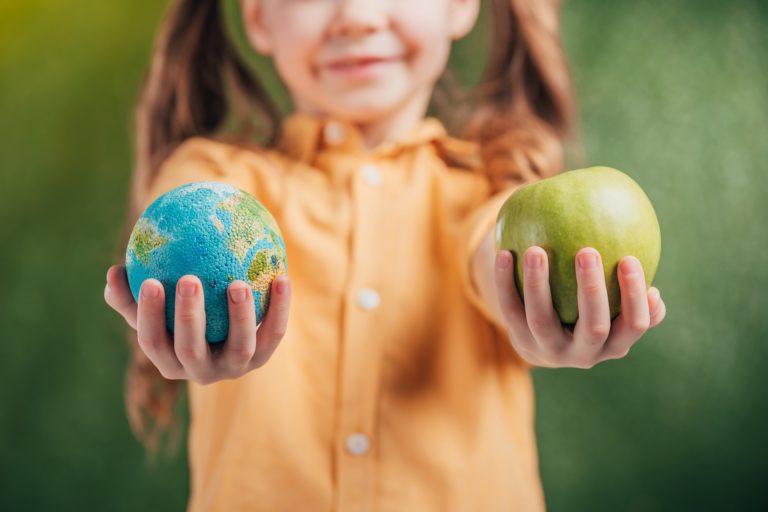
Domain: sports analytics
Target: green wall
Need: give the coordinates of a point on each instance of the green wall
(673, 93)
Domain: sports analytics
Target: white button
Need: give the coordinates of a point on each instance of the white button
(333, 132)
(368, 298)
(358, 444)
(371, 174)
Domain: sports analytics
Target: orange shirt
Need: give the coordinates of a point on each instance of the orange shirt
(393, 389)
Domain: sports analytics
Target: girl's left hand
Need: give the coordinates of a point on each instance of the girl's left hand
(535, 329)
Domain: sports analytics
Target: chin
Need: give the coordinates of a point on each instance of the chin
(367, 111)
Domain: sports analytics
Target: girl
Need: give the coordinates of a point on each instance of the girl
(402, 381)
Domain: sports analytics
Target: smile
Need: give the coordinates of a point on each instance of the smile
(360, 67)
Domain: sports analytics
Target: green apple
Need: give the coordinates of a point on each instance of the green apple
(596, 207)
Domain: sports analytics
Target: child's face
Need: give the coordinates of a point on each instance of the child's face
(357, 59)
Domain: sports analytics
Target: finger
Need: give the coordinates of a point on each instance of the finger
(275, 323)
(541, 317)
(189, 330)
(594, 323)
(512, 307)
(241, 341)
(635, 316)
(118, 294)
(152, 334)
(658, 308)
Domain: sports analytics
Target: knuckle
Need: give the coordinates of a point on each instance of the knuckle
(278, 332)
(242, 315)
(189, 352)
(114, 304)
(592, 286)
(635, 282)
(536, 283)
(539, 324)
(599, 332)
(147, 341)
(186, 314)
(546, 352)
(554, 358)
(111, 298)
(240, 354)
(235, 371)
(639, 325)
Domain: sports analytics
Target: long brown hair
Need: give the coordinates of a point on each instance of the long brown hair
(521, 115)
(522, 109)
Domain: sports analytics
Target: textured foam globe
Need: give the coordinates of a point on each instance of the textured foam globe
(216, 232)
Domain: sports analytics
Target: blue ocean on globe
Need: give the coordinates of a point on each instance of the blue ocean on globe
(216, 232)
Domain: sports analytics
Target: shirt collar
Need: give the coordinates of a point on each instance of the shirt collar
(302, 136)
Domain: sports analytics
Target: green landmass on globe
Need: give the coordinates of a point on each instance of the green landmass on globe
(145, 239)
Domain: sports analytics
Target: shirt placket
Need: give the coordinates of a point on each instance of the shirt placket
(357, 447)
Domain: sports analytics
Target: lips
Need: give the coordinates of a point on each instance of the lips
(357, 61)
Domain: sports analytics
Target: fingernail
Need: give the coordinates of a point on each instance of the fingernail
(187, 289)
(279, 285)
(237, 295)
(533, 259)
(503, 260)
(629, 266)
(587, 260)
(149, 292)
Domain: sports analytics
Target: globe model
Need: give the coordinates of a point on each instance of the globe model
(216, 232)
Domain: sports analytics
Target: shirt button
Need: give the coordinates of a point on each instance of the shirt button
(333, 132)
(371, 174)
(368, 298)
(358, 444)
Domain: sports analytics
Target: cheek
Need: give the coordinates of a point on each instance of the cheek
(293, 59)
(291, 56)
(297, 35)
(426, 37)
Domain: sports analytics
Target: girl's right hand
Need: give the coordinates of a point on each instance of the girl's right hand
(187, 355)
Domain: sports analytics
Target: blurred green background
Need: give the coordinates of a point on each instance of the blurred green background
(674, 93)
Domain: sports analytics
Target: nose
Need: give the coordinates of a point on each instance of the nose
(357, 18)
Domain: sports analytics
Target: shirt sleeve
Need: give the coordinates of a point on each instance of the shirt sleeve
(477, 225)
